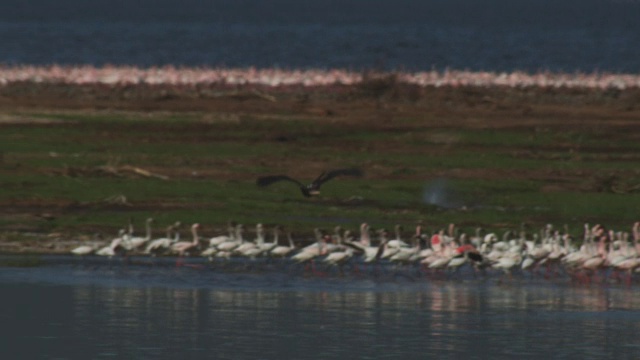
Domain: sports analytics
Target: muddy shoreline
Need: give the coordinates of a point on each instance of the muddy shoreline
(387, 90)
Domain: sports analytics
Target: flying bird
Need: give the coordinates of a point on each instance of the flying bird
(313, 188)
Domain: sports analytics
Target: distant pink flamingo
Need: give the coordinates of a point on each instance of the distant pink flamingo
(183, 248)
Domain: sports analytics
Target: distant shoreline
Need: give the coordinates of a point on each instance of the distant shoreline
(200, 89)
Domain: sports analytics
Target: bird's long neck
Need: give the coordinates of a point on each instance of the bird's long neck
(148, 230)
(259, 235)
(416, 239)
(322, 246)
(338, 237)
(239, 234)
(418, 236)
(365, 238)
(383, 237)
(290, 238)
(130, 230)
(452, 230)
(194, 233)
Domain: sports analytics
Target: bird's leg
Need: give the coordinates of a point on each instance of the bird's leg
(628, 278)
(587, 277)
(615, 274)
(356, 268)
(547, 270)
(316, 271)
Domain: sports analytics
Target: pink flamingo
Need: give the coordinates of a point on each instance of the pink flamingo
(183, 248)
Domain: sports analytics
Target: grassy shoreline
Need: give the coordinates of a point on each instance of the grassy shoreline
(494, 158)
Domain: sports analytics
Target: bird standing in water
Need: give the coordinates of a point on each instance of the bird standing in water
(313, 188)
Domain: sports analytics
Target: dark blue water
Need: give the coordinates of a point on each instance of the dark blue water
(71, 309)
(495, 35)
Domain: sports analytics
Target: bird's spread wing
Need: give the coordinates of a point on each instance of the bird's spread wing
(270, 179)
(328, 175)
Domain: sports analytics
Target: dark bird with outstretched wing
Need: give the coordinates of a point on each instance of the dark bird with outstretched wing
(313, 188)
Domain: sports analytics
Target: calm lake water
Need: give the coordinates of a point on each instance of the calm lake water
(493, 35)
(70, 309)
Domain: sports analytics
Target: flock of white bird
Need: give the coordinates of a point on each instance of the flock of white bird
(548, 250)
(273, 77)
